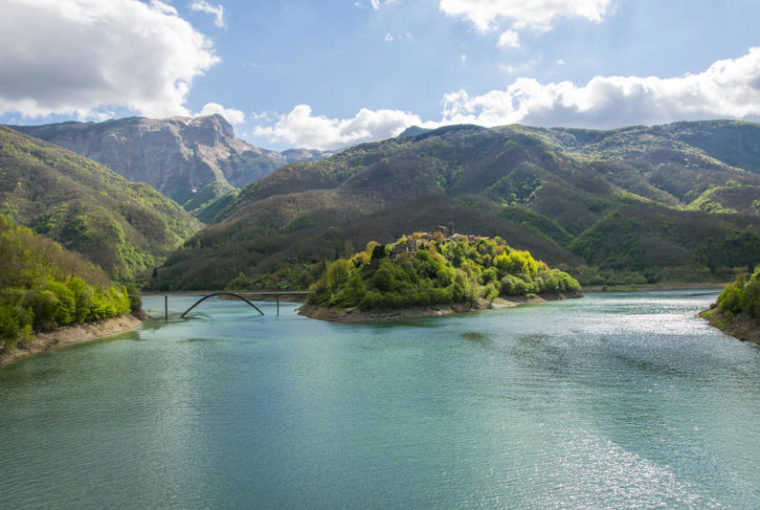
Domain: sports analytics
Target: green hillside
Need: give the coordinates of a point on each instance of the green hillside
(630, 205)
(43, 286)
(123, 227)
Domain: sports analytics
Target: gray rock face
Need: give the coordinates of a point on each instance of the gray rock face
(178, 156)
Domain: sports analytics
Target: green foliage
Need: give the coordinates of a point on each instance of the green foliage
(414, 272)
(626, 205)
(44, 286)
(742, 296)
(121, 226)
(337, 272)
(211, 201)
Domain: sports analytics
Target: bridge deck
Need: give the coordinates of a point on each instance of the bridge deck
(241, 294)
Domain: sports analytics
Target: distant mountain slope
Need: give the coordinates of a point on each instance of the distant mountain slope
(179, 156)
(637, 201)
(124, 227)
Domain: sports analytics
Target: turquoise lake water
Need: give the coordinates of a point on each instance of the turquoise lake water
(610, 401)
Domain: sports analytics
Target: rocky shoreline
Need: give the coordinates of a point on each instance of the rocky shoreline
(740, 326)
(355, 315)
(71, 335)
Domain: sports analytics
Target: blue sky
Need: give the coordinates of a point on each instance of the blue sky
(327, 74)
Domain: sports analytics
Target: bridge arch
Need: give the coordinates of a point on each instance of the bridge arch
(204, 298)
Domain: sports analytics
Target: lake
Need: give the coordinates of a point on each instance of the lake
(616, 400)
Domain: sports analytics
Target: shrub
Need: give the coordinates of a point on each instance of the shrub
(337, 272)
(43, 304)
(83, 295)
(728, 300)
(65, 311)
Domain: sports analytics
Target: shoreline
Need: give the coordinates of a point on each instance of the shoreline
(356, 316)
(740, 326)
(643, 287)
(73, 335)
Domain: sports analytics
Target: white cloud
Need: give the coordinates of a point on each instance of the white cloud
(232, 115)
(300, 128)
(83, 57)
(535, 14)
(216, 10)
(377, 4)
(509, 39)
(728, 88)
(388, 38)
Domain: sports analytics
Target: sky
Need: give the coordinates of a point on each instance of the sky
(327, 74)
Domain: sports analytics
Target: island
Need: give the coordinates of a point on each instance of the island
(737, 309)
(428, 274)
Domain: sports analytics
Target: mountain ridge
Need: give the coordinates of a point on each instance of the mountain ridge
(552, 191)
(179, 156)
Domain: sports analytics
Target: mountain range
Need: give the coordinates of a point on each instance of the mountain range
(640, 204)
(631, 205)
(192, 160)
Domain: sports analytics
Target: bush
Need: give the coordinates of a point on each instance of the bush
(65, 311)
(337, 272)
(741, 296)
(749, 301)
(15, 320)
(728, 300)
(43, 304)
(371, 299)
(83, 295)
(513, 286)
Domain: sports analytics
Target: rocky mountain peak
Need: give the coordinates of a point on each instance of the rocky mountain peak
(209, 130)
(178, 156)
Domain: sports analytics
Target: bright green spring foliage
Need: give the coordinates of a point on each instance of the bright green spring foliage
(742, 296)
(426, 270)
(43, 286)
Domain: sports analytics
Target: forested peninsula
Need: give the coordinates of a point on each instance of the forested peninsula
(433, 274)
(737, 310)
(44, 288)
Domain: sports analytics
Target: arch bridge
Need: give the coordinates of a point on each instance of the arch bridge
(239, 294)
(233, 294)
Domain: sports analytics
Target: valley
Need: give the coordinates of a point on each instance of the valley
(658, 205)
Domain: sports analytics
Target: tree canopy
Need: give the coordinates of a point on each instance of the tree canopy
(43, 286)
(419, 270)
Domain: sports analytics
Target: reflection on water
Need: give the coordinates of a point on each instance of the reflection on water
(614, 400)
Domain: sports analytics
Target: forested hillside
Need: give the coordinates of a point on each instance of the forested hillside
(123, 227)
(43, 286)
(631, 205)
